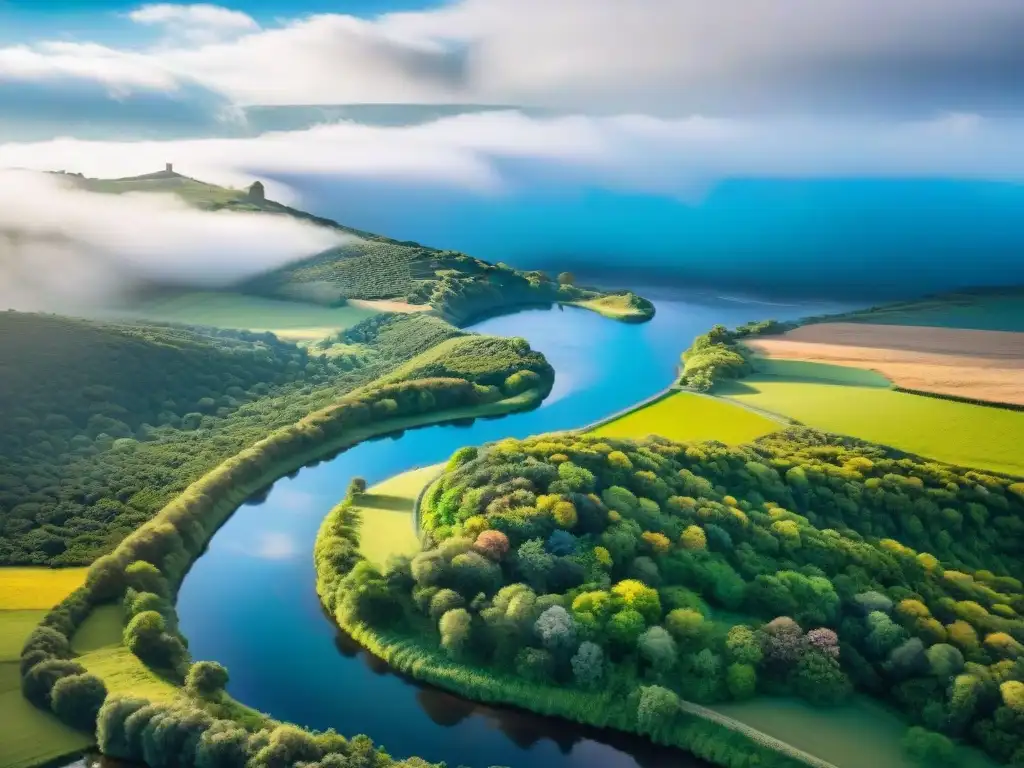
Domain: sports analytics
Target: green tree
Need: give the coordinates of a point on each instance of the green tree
(77, 700)
(206, 679)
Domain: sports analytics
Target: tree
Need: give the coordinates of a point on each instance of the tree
(493, 544)
(656, 709)
(1012, 692)
(658, 648)
(693, 538)
(455, 626)
(225, 744)
(566, 278)
(535, 664)
(143, 576)
(77, 700)
(742, 646)
(445, 600)
(588, 664)
(639, 597)
(625, 628)
(206, 679)
(110, 725)
(687, 625)
(783, 640)
(741, 680)
(819, 679)
(38, 682)
(945, 661)
(286, 746)
(556, 630)
(147, 638)
(928, 748)
(534, 563)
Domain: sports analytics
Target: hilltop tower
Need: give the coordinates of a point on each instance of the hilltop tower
(256, 192)
(169, 167)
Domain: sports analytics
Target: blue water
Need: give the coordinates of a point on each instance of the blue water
(250, 602)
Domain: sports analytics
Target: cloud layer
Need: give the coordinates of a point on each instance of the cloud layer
(670, 57)
(65, 247)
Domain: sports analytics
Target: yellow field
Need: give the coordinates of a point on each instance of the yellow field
(687, 416)
(386, 509)
(35, 588)
(122, 672)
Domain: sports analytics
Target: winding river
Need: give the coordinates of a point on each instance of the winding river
(249, 602)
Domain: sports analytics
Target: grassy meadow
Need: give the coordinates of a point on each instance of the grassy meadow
(30, 736)
(995, 311)
(687, 416)
(123, 672)
(834, 401)
(386, 509)
(291, 320)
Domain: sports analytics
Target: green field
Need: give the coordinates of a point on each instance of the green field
(799, 370)
(687, 416)
(958, 433)
(15, 626)
(995, 311)
(123, 672)
(102, 628)
(386, 508)
(838, 734)
(28, 736)
(290, 320)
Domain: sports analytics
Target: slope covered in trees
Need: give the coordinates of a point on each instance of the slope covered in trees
(372, 266)
(657, 572)
(103, 423)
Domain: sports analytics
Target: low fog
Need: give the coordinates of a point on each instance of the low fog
(64, 249)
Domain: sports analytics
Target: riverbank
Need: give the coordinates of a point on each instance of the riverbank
(707, 734)
(224, 489)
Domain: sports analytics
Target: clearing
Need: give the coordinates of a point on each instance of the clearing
(123, 672)
(983, 365)
(685, 416)
(387, 527)
(37, 588)
(290, 320)
(825, 397)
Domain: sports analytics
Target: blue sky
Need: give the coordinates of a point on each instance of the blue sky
(103, 19)
(719, 135)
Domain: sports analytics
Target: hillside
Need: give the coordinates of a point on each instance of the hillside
(103, 422)
(458, 286)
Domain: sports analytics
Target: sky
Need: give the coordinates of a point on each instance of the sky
(639, 111)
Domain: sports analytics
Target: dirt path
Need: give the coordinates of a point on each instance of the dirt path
(987, 365)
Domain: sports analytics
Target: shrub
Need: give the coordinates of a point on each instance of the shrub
(76, 699)
(38, 682)
(741, 680)
(928, 748)
(588, 664)
(556, 630)
(206, 679)
(455, 627)
(656, 709)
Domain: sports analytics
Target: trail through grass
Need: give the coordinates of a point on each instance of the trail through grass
(688, 416)
(386, 508)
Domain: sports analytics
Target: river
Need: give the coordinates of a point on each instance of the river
(249, 602)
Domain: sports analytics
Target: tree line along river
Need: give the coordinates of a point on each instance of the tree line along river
(249, 602)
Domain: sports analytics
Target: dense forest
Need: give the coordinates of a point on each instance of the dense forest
(803, 564)
(108, 421)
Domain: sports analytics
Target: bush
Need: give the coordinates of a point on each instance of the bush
(38, 682)
(206, 679)
(656, 709)
(77, 699)
(928, 748)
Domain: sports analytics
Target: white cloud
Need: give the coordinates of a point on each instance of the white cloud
(197, 24)
(62, 243)
(116, 70)
(497, 151)
(670, 57)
